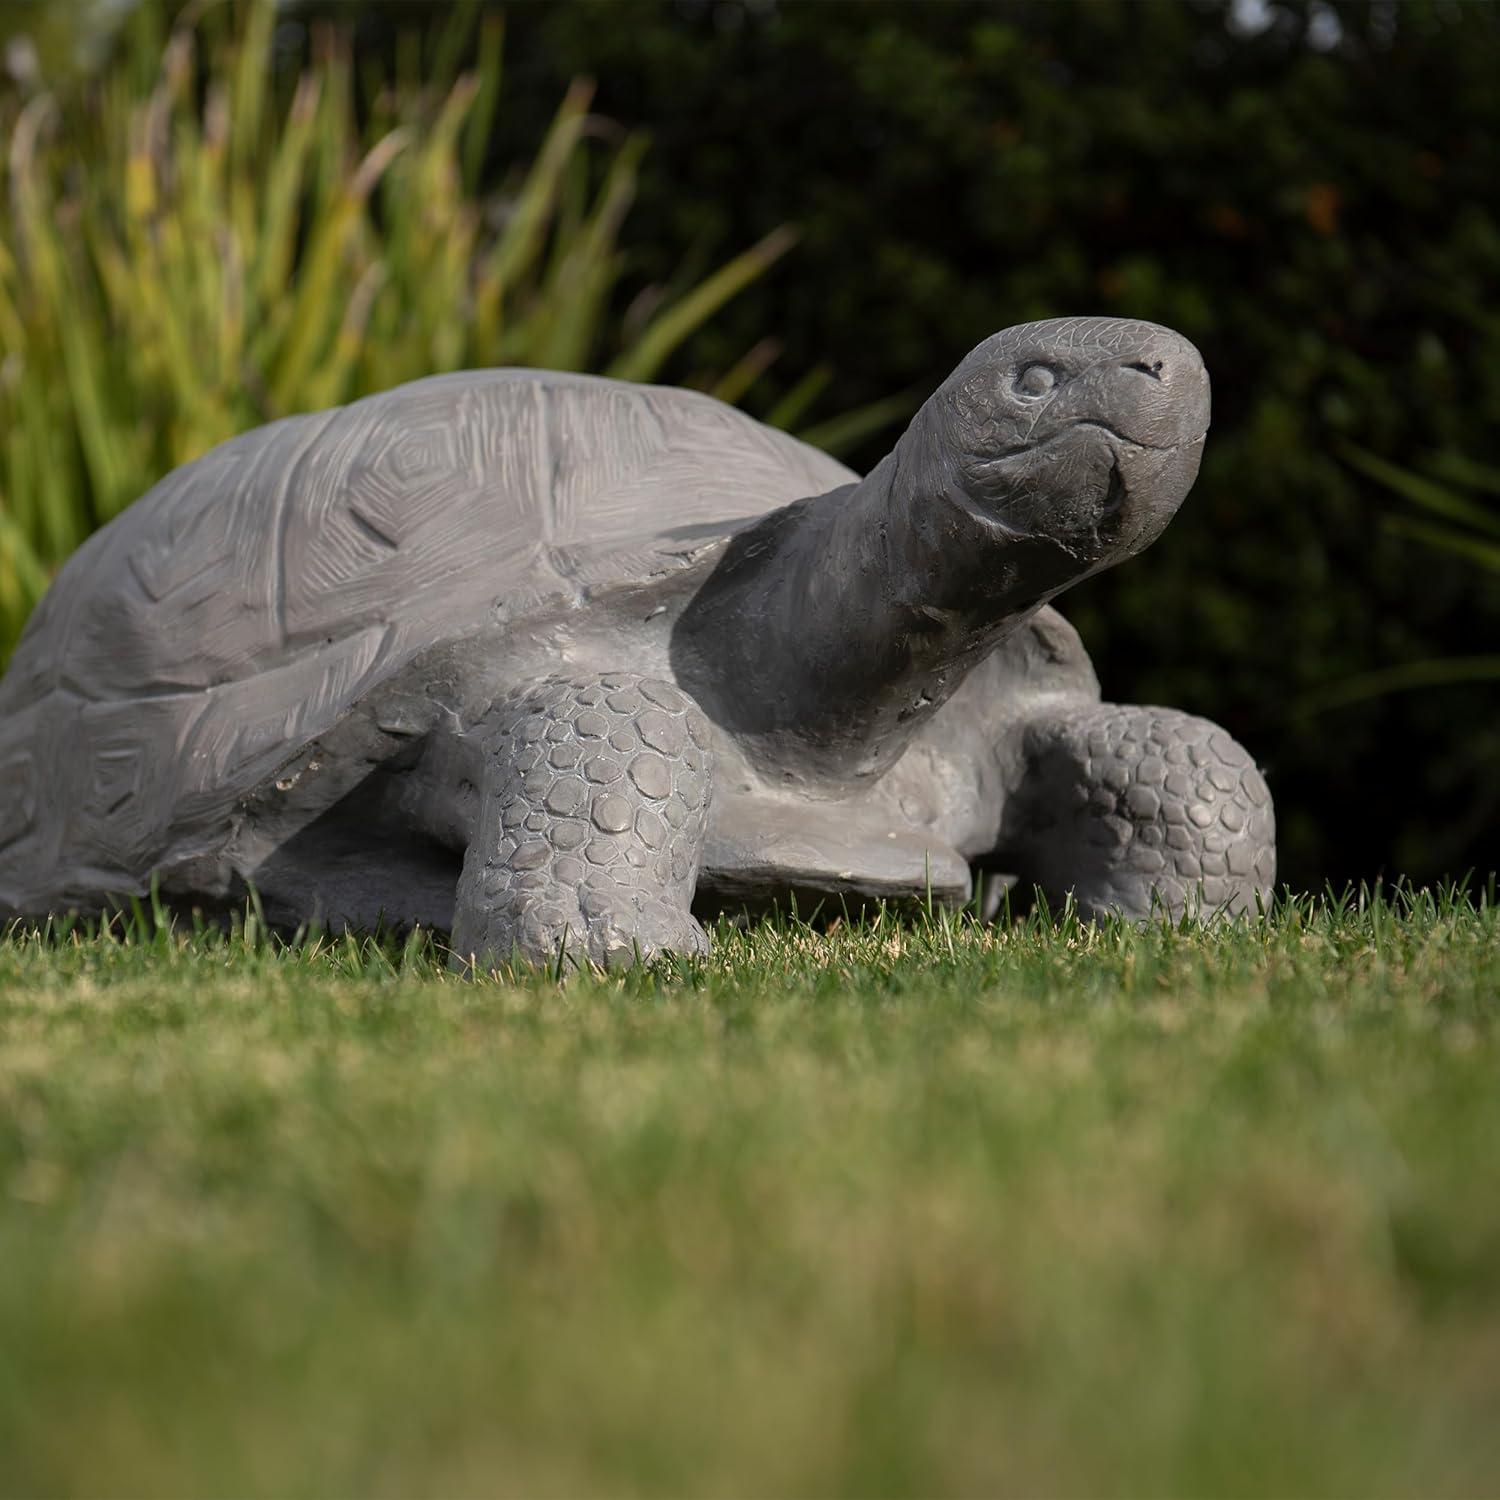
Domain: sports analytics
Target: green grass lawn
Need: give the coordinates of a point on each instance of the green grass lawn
(889, 1210)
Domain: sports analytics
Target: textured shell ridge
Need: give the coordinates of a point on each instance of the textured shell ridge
(239, 608)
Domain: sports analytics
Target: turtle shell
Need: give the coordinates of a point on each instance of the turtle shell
(239, 608)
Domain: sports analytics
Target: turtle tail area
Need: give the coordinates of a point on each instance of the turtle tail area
(74, 828)
(19, 800)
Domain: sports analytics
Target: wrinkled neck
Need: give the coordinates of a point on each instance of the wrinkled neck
(831, 631)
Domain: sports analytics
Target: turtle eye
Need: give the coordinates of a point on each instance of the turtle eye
(1035, 380)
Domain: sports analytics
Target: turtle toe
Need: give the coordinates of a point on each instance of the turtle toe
(639, 930)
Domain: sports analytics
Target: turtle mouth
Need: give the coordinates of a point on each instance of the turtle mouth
(1090, 492)
(1116, 438)
(991, 477)
(1123, 438)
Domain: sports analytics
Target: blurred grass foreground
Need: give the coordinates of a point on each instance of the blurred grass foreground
(895, 1209)
(184, 255)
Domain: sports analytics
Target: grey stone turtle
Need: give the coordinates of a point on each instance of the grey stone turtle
(544, 659)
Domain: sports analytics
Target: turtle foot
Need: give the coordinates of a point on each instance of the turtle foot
(607, 927)
(591, 827)
(1139, 811)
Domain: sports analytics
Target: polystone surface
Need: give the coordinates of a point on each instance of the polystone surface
(325, 659)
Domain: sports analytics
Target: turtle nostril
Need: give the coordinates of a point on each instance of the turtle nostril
(1153, 369)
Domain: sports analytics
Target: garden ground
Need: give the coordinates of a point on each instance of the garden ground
(891, 1209)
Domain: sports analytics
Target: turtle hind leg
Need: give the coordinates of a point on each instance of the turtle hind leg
(591, 826)
(1134, 810)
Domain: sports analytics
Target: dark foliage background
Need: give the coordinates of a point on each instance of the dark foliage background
(1310, 192)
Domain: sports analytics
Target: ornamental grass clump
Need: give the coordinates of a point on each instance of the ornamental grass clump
(193, 243)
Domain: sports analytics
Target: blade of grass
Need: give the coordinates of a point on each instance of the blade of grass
(743, 374)
(788, 411)
(1420, 490)
(314, 300)
(521, 240)
(1449, 539)
(837, 435)
(1452, 671)
(671, 326)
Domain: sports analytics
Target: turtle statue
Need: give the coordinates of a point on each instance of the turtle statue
(560, 663)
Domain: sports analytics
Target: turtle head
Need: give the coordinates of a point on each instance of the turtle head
(1082, 433)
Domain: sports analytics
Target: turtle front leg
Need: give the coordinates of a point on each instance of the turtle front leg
(593, 814)
(1135, 810)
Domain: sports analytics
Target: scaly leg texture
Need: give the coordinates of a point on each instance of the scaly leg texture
(1121, 802)
(591, 826)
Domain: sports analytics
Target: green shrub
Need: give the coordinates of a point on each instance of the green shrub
(187, 250)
